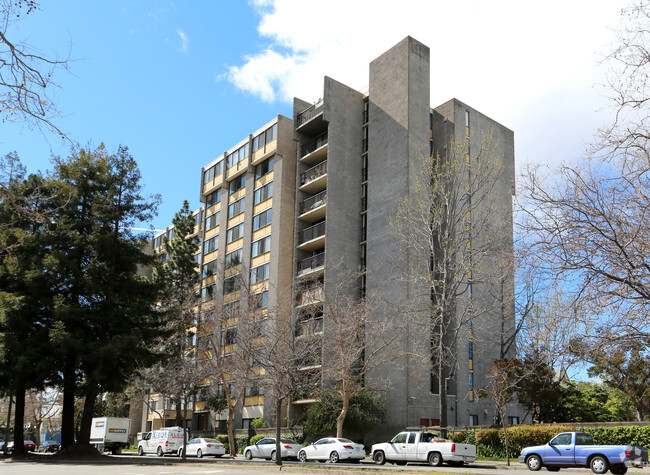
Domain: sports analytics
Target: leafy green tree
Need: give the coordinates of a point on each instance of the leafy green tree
(539, 391)
(627, 368)
(366, 411)
(26, 296)
(104, 313)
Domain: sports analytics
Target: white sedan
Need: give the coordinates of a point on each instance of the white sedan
(332, 449)
(265, 448)
(201, 447)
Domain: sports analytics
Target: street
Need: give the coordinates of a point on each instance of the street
(151, 465)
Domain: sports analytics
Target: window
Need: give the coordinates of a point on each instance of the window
(213, 198)
(233, 258)
(411, 438)
(237, 156)
(207, 293)
(399, 438)
(230, 338)
(262, 299)
(230, 284)
(236, 208)
(262, 246)
(471, 350)
(209, 268)
(514, 420)
(263, 193)
(473, 419)
(263, 168)
(260, 273)
(213, 171)
(211, 244)
(212, 221)
(262, 219)
(269, 135)
(237, 183)
(562, 439)
(471, 381)
(234, 233)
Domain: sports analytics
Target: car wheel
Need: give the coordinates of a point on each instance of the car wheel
(618, 469)
(249, 455)
(274, 456)
(199, 454)
(435, 459)
(302, 456)
(599, 464)
(334, 457)
(534, 463)
(180, 452)
(379, 458)
(159, 452)
(140, 451)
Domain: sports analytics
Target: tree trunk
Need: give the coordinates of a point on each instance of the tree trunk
(231, 435)
(278, 431)
(68, 413)
(11, 400)
(177, 402)
(19, 421)
(87, 414)
(442, 391)
(341, 418)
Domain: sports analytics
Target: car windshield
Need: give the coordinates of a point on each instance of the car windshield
(211, 441)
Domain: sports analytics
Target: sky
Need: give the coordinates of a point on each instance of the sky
(180, 82)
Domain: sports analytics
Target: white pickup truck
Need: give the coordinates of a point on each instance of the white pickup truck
(422, 447)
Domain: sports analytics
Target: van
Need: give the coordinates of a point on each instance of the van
(168, 440)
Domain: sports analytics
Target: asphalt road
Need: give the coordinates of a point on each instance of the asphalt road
(151, 465)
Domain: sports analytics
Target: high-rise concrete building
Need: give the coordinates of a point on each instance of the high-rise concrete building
(312, 198)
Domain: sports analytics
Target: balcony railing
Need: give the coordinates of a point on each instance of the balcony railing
(312, 262)
(313, 173)
(315, 144)
(312, 232)
(309, 296)
(313, 202)
(310, 113)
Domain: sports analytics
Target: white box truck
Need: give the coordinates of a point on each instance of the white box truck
(110, 434)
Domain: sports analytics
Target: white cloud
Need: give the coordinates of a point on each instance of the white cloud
(502, 57)
(184, 41)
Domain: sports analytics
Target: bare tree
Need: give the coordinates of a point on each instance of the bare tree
(232, 338)
(40, 407)
(359, 341)
(26, 75)
(452, 225)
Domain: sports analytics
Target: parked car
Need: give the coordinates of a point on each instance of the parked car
(577, 449)
(201, 447)
(266, 449)
(422, 446)
(28, 444)
(332, 449)
(49, 446)
(167, 440)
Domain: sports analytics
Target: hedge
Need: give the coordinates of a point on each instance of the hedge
(490, 442)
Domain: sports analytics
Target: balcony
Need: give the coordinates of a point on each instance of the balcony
(315, 150)
(313, 208)
(314, 179)
(311, 118)
(311, 264)
(309, 297)
(312, 238)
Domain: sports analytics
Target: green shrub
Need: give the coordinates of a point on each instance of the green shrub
(258, 423)
(241, 441)
(255, 438)
(622, 435)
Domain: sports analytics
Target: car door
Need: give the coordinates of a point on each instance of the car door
(266, 447)
(320, 449)
(560, 450)
(146, 446)
(192, 446)
(396, 448)
(410, 454)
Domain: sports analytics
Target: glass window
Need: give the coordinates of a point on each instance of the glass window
(260, 273)
(213, 172)
(212, 221)
(207, 293)
(271, 133)
(261, 246)
(234, 233)
(471, 349)
(399, 438)
(263, 168)
(263, 193)
(233, 258)
(211, 244)
(473, 419)
(237, 183)
(262, 219)
(229, 284)
(562, 439)
(213, 198)
(236, 208)
(262, 299)
(210, 268)
(411, 438)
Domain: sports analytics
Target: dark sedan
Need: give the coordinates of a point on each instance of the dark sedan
(49, 446)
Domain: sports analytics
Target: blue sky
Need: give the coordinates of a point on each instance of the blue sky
(180, 82)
